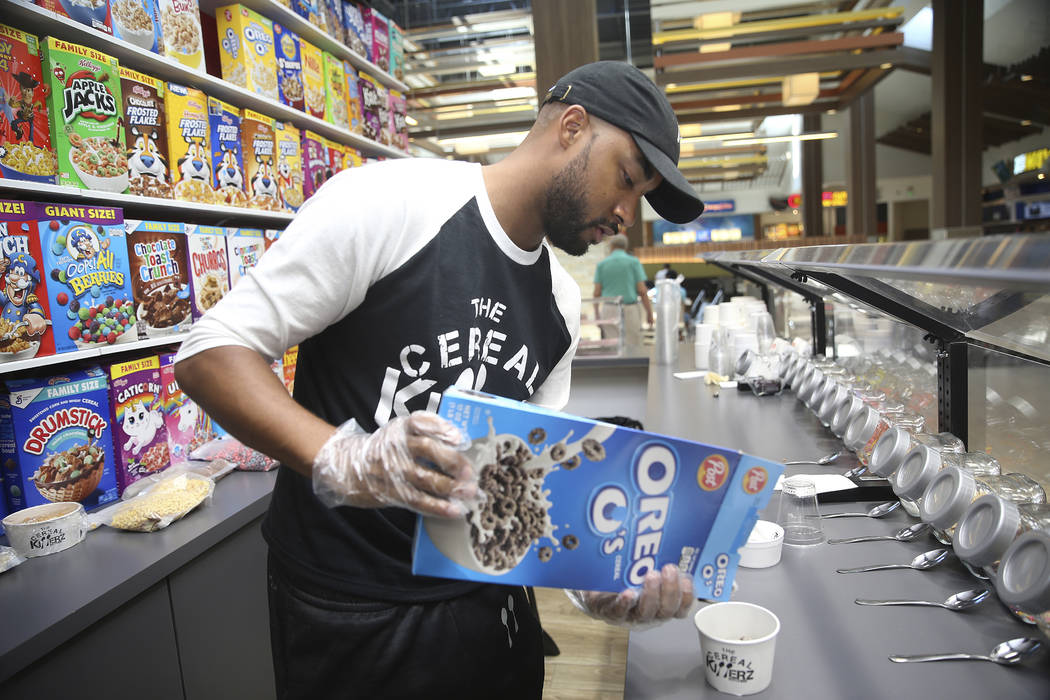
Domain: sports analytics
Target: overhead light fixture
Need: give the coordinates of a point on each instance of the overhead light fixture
(784, 139)
(886, 66)
(410, 120)
(690, 130)
(717, 137)
(1026, 122)
(725, 108)
(1025, 78)
(800, 89)
(833, 112)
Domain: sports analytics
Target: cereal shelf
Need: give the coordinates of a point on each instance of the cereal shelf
(88, 353)
(41, 22)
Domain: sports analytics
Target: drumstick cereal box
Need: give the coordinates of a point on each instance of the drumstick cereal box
(25, 134)
(23, 286)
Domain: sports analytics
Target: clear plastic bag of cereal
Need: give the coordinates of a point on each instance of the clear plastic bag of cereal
(160, 504)
(233, 450)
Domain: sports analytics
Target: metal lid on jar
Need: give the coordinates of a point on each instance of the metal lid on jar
(947, 497)
(986, 530)
(861, 428)
(915, 472)
(845, 413)
(744, 362)
(1023, 579)
(890, 451)
(809, 384)
(823, 391)
(834, 400)
(787, 363)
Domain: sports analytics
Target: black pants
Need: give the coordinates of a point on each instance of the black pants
(485, 644)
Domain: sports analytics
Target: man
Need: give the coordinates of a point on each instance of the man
(622, 275)
(397, 281)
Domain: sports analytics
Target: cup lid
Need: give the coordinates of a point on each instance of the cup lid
(947, 496)
(845, 412)
(889, 451)
(1023, 579)
(861, 428)
(986, 530)
(915, 472)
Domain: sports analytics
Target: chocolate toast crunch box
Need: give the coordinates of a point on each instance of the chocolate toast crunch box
(575, 503)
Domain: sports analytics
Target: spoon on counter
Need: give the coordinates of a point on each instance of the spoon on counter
(963, 600)
(856, 471)
(876, 512)
(926, 560)
(826, 459)
(905, 534)
(1007, 653)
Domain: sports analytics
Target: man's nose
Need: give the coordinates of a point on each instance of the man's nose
(627, 209)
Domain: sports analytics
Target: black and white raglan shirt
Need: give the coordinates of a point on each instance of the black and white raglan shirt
(396, 281)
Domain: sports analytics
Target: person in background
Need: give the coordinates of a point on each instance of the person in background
(663, 272)
(622, 275)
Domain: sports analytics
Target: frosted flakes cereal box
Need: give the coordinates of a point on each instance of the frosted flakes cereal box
(398, 123)
(289, 165)
(146, 134)
(209, 269)
(353, 97)
(315, 163)
(188, 426)
(591, 505)
(23, 285)
(375, 119)
(25, 132)
(376, 24)
(336, 109)
(244, 247)
(89, 278)
(160, 277)
(260, 163)
(246, 49)
(137, 22)
(93, 13)
(397, 51)
(289, 67)
(333, 17)
(354, 27)
(136, 403)
(85, 112)
(180, 23)
(62, 449)
(224, 131)
(189, 144)
(313, 78)
(311, 11)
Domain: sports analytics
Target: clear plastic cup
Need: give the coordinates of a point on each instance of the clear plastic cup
(799, 513)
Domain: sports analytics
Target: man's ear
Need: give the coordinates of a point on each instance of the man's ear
(573, 122)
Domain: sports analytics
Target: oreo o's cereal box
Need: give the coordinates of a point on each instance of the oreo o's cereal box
(89, 281)
(23, 285)
(574, 503)
(160, 278)
(140, 434)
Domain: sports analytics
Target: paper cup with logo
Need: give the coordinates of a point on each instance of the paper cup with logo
(737, 641)
(46, 529)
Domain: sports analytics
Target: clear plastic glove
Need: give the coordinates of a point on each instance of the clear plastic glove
(664, 595)
(411, 462)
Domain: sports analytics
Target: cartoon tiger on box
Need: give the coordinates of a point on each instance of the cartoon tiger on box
(147, 167)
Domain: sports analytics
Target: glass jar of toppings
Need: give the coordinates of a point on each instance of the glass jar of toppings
(845, 413)
(864, 431)
(942, 442)
(922, 464)
(991, 524)
(952, 490)
(1023, 579)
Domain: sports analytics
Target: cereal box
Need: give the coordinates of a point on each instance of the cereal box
(336, 109)
(189, 143)
(397, 50)
(375, 23)
(25, 134)
(160, 278)
(85, 112)
(333, 16)
(63, 441)
(244, 246)
(89, 282)
(271, 235)
(180, 23)
(93, 13)
(23, 287)
(289, 67)
(313, 78)
(375, 120)
(291, 356)
(311, 11)
(209, 270)
(140, 437)
(353, 158)
(336, 156)
(354, 27)
(146, 133)
(246, 49)
(576, 503)
(137, 22)
(398, 123)
(260, 164)
(188, 426)
(315, 163)
(353, 97)
(224, 132)
(289, 166)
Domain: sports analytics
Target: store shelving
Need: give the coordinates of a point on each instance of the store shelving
(89, 353)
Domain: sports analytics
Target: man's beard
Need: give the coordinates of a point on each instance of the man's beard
(565, 205)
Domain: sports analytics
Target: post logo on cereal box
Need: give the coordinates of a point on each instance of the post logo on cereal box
(755, 479)
(713, 472)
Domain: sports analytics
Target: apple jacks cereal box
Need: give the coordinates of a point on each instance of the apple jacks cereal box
(229, 185)
(289, 67)
(146, 134)
(246, 49)
(85, 111)
(209, 270)
(313, 78)
(180, 23)
(93, 13)
(137, 410)
(336, 110)
(289, 165)
(26, 314)
(89, 282)
(260, 163)
(25, 134)
(160, 278)
(375, 23)
(354, 27)
(63, 441)
(189, 144)
(244, 247)
(137, 22)
(574, 503)
(315, 163)
(397, 51)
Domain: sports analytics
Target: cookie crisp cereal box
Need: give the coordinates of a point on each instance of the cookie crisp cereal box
(244, 246)
(89, 278)
(260, 161)
(397, 51)
(336, 110)
(23, 285)
(313, 78)
(137, 22)
(140, 436)
(289, 68)
(160, 277)
(25, 135)
(62, 446)
(84, 112)
(180, 24)
(575, 503)
(93, 13)
(315, 163)
(289, 165)
(210, 278)
(246, 49)
(375, 23)
(189, 143)
(354, 26)
(353, 97)
(229, 184)
(146, 133)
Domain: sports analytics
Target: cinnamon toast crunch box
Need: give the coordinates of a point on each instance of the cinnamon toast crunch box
(575, 503)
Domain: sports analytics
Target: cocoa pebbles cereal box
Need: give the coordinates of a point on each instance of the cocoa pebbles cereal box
(85, 112)
(93, 13)
(146, 134)
(289, 68)
(25, 320)
(25, 132)
(246, 49)
(137, 22)
(289, 165)
(160, 277)
(209, 270)
(189, 144)
(244, 247)
(570, 502)
(140, 436)
(260, 161)
(89, 282)
(63, 441)
(229, 184)
(180, 26)
(313, 78)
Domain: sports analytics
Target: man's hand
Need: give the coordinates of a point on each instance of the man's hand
(664, 595)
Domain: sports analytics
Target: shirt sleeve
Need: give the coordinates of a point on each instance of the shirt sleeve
(639, 271)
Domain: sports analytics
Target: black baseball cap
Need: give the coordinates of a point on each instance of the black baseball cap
(624, 96)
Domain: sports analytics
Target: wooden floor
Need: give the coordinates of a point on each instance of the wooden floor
(593, 654)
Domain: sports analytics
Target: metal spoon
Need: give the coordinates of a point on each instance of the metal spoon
(856, 471)
(926, 560)
(1006, 653)
(826, 459)
(905, 534)
(963, 600)
(876, 512)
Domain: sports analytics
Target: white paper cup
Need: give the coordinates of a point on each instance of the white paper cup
(701, 353)
(737, 642)
(704, 331)
(45, 529)
(764, 546)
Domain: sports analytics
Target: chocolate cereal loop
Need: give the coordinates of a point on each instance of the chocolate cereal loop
(537, 435)
(570, 542)
(571, 463)
(545, 553)
(593, 450)
(558, 452)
